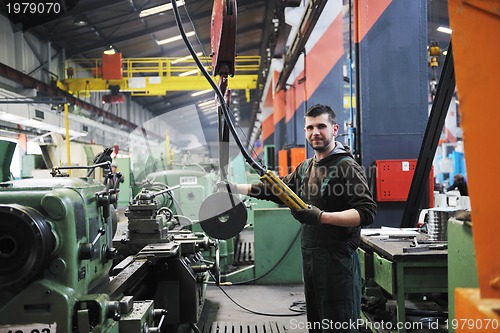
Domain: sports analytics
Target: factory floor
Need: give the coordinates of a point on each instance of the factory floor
(221, 314)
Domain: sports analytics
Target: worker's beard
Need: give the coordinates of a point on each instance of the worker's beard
(323, 146)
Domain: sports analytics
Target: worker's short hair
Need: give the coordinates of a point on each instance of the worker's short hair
(114, 166)
(319, 109)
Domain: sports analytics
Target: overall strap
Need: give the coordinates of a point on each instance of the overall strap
(303, 168)
(331, 173)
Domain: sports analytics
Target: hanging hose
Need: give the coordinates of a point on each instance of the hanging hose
(225, 109)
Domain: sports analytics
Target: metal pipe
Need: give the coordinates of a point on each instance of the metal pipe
(66, 124)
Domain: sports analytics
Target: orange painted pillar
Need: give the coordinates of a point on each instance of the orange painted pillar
(476, 25)
(297, 155)
(283, 167)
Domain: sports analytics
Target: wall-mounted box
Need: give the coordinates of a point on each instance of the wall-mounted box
(394, 177)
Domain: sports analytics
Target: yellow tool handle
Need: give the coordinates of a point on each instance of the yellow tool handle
(282, 191)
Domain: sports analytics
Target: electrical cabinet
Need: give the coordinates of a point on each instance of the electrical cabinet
(394, 177)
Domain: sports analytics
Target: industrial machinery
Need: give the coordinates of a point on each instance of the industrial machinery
(69, 264)
(61, 270)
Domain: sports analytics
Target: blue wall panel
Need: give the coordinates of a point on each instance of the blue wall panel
(269, 140)
(293, 131)
(279, 135)
(393, 90)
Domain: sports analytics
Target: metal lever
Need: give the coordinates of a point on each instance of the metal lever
(87, 250)
(155, 194)
(157, 313)
(100, 232)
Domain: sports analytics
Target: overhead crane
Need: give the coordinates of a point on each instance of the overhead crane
(150, 76)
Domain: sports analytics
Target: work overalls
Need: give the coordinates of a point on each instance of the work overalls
(331, 267)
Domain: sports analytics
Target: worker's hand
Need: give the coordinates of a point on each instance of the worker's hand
(311, 215)
(227, 186)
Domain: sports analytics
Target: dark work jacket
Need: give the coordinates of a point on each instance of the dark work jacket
(460, 186)
(346, 188)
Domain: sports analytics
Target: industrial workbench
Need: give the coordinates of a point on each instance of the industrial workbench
(400, 273)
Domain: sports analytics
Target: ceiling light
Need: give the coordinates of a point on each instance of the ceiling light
(194, 71)
(201, 92)
(173, 39)
(189, 57)
(207, 108)
(158, 9)
(210, 102)
(110, 50)
(80, 21)
(444, 29)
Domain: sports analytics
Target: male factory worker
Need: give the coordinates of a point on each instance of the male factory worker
(336, 189)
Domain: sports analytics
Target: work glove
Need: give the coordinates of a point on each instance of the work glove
(310, 215)
(226, 186)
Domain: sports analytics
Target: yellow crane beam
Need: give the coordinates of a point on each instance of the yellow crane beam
(154, 76)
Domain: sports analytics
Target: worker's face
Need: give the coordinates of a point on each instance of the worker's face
(320, 132)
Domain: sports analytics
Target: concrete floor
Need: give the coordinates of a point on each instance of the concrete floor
(274, 300)
(221, 315)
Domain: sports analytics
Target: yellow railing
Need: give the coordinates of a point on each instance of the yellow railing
(163, 67)
(154, 76)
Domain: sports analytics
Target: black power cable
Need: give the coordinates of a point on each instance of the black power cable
(295, 312)
(293, 307)
(275, 266)
(225, 109)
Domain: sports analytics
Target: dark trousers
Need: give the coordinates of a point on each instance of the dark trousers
(332, 283)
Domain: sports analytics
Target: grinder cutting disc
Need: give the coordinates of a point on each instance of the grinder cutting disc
(222, 215)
